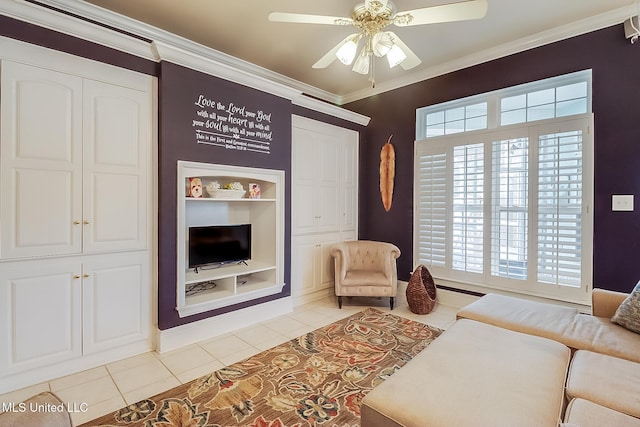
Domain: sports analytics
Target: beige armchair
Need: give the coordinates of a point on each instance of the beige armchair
(366, 268)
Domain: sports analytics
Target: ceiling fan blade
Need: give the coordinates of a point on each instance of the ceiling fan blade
(299, 18)
(330, 56)
(412, 59)
(463, 11)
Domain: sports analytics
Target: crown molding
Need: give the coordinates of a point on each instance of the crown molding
(50, 19)
(339, 112)
(199, 60)
(577, 28)
(155, 44)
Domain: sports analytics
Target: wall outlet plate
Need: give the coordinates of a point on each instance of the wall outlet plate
(622, 202)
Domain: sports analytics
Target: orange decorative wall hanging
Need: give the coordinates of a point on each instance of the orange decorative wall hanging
(387, 173)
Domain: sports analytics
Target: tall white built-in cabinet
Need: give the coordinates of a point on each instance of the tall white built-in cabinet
(324, 202)
(76, 213)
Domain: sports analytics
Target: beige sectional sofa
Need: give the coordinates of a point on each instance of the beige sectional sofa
(474, 385)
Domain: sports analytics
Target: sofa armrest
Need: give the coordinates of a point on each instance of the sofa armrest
(604, 303)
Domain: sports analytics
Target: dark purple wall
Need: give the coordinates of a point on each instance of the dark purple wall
(616, 95)
(180, 87)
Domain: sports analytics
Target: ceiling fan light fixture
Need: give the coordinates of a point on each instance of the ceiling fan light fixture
(362, 63)
(371, 18)
(347, 51)
(395, 56)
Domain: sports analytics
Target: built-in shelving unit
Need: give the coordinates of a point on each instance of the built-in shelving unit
(224, 285)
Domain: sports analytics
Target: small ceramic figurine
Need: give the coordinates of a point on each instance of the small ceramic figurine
(195, 187)
(212, 187)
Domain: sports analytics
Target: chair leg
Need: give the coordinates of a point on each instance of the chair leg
(391, 303)
(339, 302)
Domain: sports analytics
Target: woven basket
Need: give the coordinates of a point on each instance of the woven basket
(421, 291)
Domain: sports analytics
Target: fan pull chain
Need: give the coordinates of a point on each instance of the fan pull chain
(372, 77)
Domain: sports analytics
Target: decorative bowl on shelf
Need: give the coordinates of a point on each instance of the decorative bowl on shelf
(222, 193)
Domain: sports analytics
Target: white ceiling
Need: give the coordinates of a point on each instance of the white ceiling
(240, 28)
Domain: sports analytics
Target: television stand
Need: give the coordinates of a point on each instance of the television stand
(263, 274)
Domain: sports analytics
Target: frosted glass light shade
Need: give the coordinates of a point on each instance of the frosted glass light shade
(347, 52)
(362, 63)
(395, 56)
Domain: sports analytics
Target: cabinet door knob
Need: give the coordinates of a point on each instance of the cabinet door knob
(85, 275)
(76, 222)
(76, 276)
(86, 221)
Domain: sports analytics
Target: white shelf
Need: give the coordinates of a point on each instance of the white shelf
(227, 271)
(211, 199)
(210, 301)
(265, 271)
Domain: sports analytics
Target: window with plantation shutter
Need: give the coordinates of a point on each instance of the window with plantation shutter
(467, 224)
(432, 197)
(509, 207)
(560, 208)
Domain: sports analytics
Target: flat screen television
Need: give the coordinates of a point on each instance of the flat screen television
(219, 244)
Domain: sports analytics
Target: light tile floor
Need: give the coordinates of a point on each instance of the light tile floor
(107, 388)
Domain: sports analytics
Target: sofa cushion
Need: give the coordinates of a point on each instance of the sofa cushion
(520, 315)
(605, 380)
(582, 413)
(563, 324)
(474, 374)
(628, 314)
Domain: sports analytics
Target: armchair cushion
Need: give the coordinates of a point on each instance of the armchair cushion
(371, 278)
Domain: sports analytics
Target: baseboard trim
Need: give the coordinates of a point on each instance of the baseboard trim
(314, 296)
(46, 373)
(455, 298)
(192, 333)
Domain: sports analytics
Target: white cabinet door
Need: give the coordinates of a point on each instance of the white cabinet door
(41, 317)
(74, 161)
(116, 143)
(305, 265)
(303, 193)
(41, 162)
(326, 260)
(328, 191)
(312, 263)
(349, 183)
(315, 181)
(116, 296)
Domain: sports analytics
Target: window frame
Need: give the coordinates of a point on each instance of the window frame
(485, 281)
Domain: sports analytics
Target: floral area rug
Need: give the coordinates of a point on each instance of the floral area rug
(318, 379)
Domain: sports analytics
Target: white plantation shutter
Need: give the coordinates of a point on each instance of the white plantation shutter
(510, 208)
(560, 183)
(431, 196)
(468, 202)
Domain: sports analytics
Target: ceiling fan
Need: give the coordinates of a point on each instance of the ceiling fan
(371, 18)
